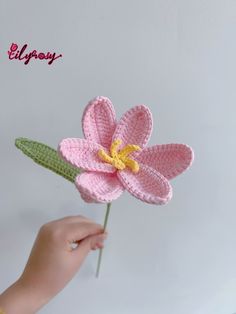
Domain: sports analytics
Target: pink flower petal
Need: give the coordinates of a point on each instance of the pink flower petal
(83, 154)
(99, 121)
(148, 185)
(87, 198)
(135, 126)
(99, 187)
(168, 159)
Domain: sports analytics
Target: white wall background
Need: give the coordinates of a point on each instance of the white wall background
(176, 56)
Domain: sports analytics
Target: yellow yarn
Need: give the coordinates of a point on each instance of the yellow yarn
(120, 159)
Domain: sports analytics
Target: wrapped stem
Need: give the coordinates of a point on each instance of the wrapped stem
(104, 227)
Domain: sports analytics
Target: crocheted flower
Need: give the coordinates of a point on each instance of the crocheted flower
(115, 158)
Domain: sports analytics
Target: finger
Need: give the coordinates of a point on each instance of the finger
(82, 250)
(78, 231)
(99, 246)
(98, 241)
(87, 244)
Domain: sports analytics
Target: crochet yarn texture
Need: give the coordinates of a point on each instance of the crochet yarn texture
(115, 158)
(47, 157)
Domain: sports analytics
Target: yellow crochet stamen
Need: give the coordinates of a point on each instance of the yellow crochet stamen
(120, 159)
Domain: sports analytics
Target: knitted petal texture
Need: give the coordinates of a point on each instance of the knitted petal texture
(98, 187)
(83, 154)
(112, 150)
(99, 121)
(135, 127)
(148, 185)
(168, 159)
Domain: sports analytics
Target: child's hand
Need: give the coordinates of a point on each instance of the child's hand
(52, 263)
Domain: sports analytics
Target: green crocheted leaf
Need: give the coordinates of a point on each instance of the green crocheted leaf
(47, 157)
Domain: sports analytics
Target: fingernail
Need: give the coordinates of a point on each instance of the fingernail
(100, 245)
(100, 242)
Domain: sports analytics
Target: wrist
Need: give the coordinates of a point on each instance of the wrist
(20, 299)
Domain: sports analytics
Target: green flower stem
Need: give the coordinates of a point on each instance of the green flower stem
(104, 227)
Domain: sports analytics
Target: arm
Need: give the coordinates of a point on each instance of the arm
(52, 263)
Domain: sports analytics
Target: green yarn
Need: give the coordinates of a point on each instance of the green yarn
(47, 157)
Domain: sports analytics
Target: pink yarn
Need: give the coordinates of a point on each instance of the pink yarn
(101, 182)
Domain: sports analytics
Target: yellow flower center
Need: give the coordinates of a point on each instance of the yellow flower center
(120, 159)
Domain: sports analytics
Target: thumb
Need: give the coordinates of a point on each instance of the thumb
(87, 244)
